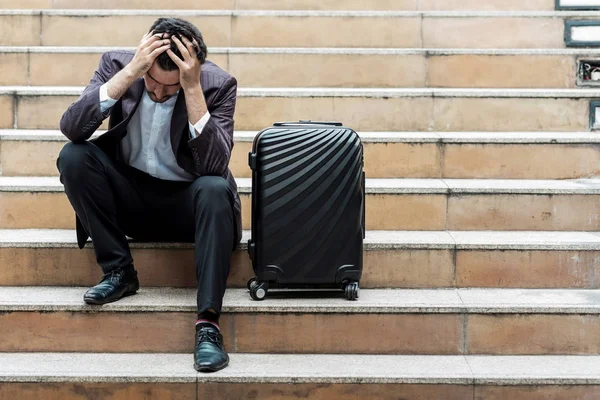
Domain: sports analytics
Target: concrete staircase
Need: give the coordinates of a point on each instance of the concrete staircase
(482, 255)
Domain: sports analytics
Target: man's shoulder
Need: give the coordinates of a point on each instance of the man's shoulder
(215, 74)
(118, 58)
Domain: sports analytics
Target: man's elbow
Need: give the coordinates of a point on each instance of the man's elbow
(73, 130)
(68, 130)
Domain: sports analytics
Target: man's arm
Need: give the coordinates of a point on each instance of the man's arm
(211, 148)
(189, 78)
(195, 104)
(85, 115)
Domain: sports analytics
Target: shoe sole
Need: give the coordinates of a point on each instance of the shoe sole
(209, 369)
(96, 302)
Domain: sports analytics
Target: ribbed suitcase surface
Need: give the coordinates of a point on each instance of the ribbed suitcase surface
(307, 205)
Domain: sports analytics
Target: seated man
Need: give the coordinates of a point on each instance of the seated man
(160, 172)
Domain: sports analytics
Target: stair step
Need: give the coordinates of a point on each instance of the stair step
(528, 29)
(451, 321)
(275, 67)
(392, 204)
(306, 368)
(371, 301)
(362, 109)
(392, 259)
(409, 5)
(285, 377)
(462, 155)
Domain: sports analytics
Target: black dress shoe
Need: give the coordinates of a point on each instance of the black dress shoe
(210, 355)
(114, 285)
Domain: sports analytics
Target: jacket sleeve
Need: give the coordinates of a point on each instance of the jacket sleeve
(211, 148)
(84, 116)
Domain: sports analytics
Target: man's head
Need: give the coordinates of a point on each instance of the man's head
(162, 80)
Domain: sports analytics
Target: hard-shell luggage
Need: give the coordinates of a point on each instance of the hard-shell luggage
(308, 208)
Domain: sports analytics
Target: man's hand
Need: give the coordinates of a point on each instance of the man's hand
(189, 67)
(189, 78)
(150, 47)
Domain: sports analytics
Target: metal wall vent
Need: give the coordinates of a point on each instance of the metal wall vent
(582, 33)
(578, 4)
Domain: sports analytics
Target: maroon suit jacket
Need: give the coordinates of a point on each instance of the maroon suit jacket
(207, 154)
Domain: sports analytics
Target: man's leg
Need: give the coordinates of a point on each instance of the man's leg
(199, 212)
(214, 228)
(203, 212)
(100, 194)
(213, 211)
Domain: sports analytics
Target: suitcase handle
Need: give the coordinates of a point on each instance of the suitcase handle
(307, 122)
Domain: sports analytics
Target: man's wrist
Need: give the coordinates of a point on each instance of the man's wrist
(194, 90)
(131, 73)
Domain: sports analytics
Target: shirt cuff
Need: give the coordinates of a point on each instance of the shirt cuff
(199, 126)
(105, 101)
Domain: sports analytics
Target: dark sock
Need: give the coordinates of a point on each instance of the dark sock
(207, 318)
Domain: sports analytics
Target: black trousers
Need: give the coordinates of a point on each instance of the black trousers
(113, 201)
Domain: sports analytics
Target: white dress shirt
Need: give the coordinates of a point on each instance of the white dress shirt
(147, 145)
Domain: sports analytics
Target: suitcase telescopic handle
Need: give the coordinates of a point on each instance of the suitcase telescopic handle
(308, 122)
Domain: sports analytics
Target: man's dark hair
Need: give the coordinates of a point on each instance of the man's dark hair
(178, 27)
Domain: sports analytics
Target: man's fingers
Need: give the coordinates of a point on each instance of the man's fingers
(159, 43)
(148, 41)
(182, 49)
(158, 51)
(189, 45)
(161, 35)
(144, 37)
(147, 35)
(196, 46)
(175, 59)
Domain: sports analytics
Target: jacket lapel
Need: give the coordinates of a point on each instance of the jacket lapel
(179, 121)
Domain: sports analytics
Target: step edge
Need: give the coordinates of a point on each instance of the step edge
(392, 186)
(375, 240)
(49, 135)
(376, 93)
(304, 13)
(366, 51)
(192, 309)
(462, 301)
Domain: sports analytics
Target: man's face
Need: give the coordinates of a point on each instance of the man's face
(161, 84)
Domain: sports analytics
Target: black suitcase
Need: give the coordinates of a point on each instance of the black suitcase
(308, 208)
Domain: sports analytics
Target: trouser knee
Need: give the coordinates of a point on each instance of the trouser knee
(74, 161)
(211, 192)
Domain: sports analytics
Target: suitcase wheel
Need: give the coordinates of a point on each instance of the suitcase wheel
(252, 282)
(259, 290)
(352, 290)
